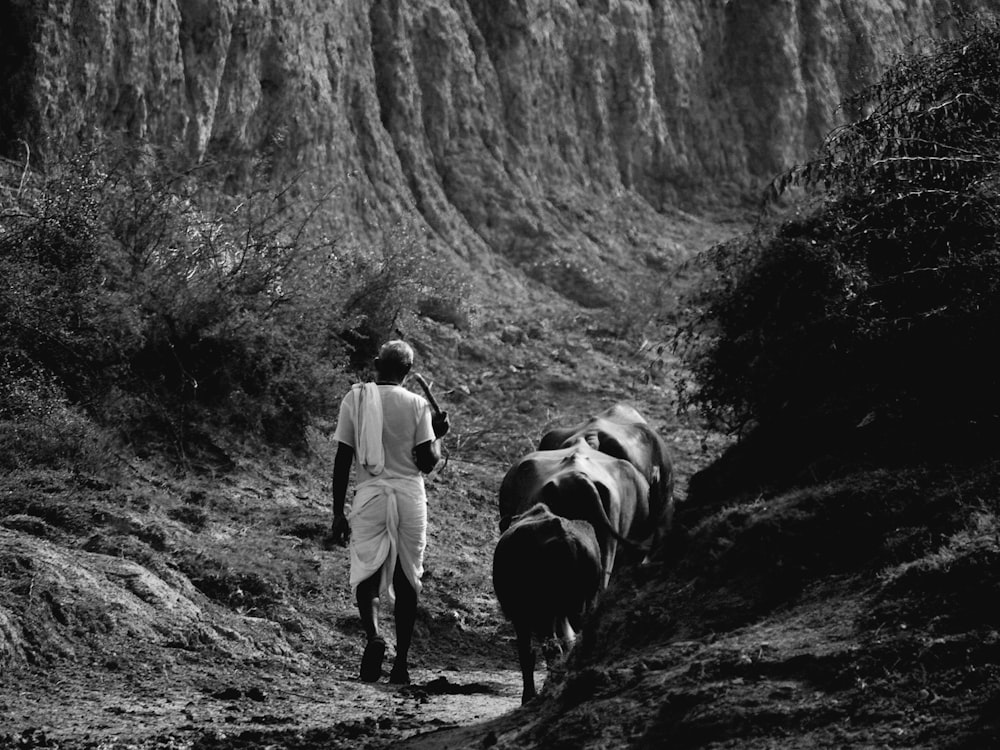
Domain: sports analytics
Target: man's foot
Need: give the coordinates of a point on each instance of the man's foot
(399, 675)
(371, 661)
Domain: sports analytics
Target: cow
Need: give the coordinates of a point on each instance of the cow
(546, 575)
(622, 432)
(583, 483)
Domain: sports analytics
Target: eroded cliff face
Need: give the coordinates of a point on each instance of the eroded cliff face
(515, 131)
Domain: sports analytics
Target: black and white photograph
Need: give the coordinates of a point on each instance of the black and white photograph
(499, 374)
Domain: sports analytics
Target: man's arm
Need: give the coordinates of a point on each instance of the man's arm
(341, 477)
(428, 454)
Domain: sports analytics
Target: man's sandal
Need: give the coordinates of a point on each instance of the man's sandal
(371, 661)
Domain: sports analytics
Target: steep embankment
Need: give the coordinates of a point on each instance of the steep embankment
(544, 134)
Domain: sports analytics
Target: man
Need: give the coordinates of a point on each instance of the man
(391, 438)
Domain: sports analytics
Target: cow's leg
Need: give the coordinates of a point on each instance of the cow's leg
(526, 658)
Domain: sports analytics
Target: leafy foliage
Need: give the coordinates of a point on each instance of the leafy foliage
(877, 302)
(38, 425)
(389, 282)
(138, 295)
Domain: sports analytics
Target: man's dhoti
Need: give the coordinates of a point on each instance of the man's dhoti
(388, 524)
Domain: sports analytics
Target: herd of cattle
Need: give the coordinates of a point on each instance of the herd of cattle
(591, 495)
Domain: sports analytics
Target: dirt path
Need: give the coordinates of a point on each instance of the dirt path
(243, 708)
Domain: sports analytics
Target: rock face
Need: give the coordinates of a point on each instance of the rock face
(512, 131)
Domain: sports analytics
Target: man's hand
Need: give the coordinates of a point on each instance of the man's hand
(440, 423)
(340, 530)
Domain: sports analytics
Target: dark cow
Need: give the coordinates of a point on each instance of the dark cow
(622, 432)
(546, 574)
(580, 482)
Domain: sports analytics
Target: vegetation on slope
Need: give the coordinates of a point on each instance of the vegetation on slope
(137, 299)
(877, 301)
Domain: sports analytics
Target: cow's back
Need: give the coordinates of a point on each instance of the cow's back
(523, 482)
(621, 431)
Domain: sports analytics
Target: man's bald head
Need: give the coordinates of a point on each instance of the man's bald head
(394, 360)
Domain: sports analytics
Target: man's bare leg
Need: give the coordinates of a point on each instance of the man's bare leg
(368, 602)
(406, 619)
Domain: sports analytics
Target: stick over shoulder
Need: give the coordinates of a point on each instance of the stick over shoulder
(427, 392)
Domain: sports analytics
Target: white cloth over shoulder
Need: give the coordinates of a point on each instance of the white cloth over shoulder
(368, 425)
(388, 523)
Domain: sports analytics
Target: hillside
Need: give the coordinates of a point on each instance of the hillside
(153, 604)
(513, 135)
(148, 604)
(211, 211)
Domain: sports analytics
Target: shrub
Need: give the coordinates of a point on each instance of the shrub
(134, 292)
(877, 302)
(149, 301)
(38, 426)
(392, 281)
(61, 311)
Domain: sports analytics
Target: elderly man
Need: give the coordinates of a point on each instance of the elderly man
(391, 437)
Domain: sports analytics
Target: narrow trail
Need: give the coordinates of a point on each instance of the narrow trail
(239, 707)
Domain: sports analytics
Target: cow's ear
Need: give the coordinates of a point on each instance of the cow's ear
(612, 446)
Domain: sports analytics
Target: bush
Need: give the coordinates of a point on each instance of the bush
(38, 426)
(61, 311)
(137, 295)
(392, 281)
(877, 302)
